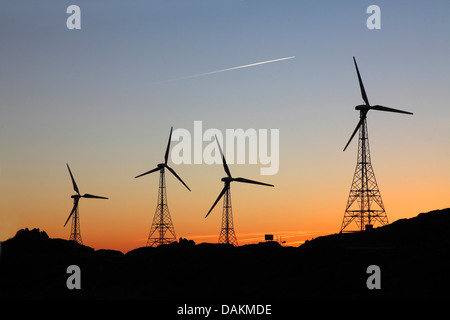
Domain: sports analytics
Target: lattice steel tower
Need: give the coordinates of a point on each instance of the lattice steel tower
(227, 234)
(364, 205)
(75, 233)
(162, 230)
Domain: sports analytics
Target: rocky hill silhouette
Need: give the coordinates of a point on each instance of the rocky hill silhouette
(413, 256)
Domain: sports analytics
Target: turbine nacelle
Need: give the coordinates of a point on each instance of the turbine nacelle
(227, 179)
(363, 107)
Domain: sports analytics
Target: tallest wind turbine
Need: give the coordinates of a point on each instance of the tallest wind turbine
(161, 220)
(364, 204)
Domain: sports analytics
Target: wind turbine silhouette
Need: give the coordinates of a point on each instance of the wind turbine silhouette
(75, 230)
(227, 234)
(162, 220)
(364, 190)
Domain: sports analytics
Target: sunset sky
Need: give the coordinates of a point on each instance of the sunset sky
(103, 99)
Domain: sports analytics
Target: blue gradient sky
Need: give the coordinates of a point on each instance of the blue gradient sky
(96, 98)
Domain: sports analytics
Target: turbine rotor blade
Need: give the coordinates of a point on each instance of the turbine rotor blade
(153, 170)
(381, 108)
(354, 132)
(75, 187)
(75, 204)
(252, 181)
(218, 198)
(166, 157)
(174, 173)
(225, 166)
(87, 195)
(361, 85)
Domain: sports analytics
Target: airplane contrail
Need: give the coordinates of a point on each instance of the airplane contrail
(229, 69)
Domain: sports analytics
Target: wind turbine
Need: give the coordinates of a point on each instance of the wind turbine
(162, 221)
(227, 234)
(364, 190)
(75, 230)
